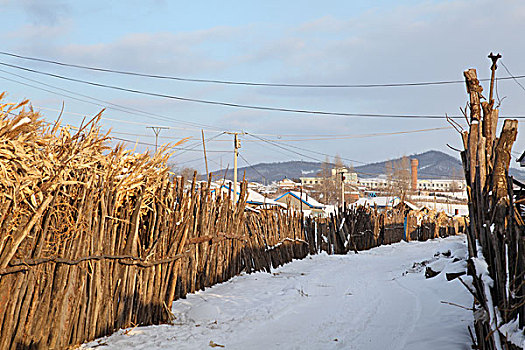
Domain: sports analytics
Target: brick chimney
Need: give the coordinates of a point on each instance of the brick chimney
(414, 163)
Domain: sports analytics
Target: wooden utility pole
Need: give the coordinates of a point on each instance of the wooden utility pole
(236, 146)
(204, 149)
(157, 130)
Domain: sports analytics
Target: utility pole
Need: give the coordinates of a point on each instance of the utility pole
(236, 146)
(205, 159)
(157, 130)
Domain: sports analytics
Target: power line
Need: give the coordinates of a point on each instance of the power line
(198, 143)
(328, 155)
(513, 77)
(347, 136)
(152, 144)
(253, 168)
(231, 82)
(107, 104)
(227, 104)
(237, 105)
(303, 149)
(321, 137)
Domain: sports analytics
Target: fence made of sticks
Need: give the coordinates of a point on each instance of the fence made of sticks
(496, 234)
(94, 239)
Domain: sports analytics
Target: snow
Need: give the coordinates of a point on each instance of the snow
(448, 208)
(513, 333)
(376, 299)
(380, 201)
(482, 270)
(255, 197)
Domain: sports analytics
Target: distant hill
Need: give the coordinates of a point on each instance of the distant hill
(432, 165)
(269, 172)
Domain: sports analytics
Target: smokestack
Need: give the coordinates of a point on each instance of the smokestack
(414, 163)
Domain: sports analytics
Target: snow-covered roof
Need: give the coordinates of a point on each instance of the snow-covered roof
(254, 197)
(380, 201)
(448, 208)
(411, 205)
(308, 200)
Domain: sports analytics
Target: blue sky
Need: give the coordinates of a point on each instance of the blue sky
(328, 42)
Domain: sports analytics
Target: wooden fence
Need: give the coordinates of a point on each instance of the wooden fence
(496, 231)
(362, 228)
(95, 239)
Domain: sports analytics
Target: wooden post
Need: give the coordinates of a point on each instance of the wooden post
(204, 150)
(494, 59)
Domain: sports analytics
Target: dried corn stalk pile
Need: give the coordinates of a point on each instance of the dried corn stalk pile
(94, 238)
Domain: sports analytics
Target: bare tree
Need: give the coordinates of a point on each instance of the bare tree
(401, 178)
(389, 172)
(329, 188)
(185, 172)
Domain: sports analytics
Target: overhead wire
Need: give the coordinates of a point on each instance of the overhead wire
(253, 168)
(228, 104)
(348, 136)
(198, 143)
(325, 161)
(513, 77)
(106, 104)
(231, 82)
(183, 149)
(303, 149)
(237, 105)
(177, 148)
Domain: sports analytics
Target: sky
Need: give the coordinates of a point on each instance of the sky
(291, 42)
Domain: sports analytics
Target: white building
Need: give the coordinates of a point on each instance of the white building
(446, 185)
(350, 177)
(442, 185)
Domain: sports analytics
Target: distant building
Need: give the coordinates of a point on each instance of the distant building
(446, 185)
(287, 184)
(301, 201)
(254, 198)
(443, 185)
(375, 183)
(311, 181)
(382, 203)
(350, 177)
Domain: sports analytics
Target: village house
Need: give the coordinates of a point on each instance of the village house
(287, 184)
(350, 177)
(302, 201)
(382, 203)
(255, 199)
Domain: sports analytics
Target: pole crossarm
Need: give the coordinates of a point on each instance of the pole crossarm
(156, 131)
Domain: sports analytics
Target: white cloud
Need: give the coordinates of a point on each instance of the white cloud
(162, 53)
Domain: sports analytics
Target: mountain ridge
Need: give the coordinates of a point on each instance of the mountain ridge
(433, 164)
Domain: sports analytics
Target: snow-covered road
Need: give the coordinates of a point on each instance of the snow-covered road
(377, 299)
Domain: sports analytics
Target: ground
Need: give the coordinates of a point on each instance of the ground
(376, 299)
